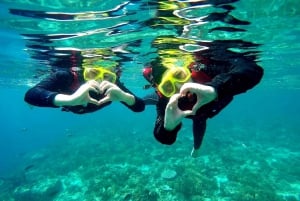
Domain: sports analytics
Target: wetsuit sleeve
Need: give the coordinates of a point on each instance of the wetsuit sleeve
(160, 133)
(151, 99)
(139, 104)
(43, 93)
(242, 76)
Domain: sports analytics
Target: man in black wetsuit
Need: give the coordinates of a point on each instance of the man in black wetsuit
(198, 92)
(82, 91)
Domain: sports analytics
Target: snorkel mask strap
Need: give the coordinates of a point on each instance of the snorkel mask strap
(147, 73)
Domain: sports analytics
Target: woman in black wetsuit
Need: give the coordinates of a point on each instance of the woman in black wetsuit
(198, 92)
(195, 74)
(82, 91)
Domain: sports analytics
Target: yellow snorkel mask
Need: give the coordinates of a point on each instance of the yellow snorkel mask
(171, 77)
(99, 74)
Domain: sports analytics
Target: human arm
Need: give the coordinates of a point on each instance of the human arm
(118, 92)
(204, 93)
(228, 79)
(237, 77)
(174, 115)
(160, 132)
(80, 97)
(113, 93)
(55, 91)
(43, 93)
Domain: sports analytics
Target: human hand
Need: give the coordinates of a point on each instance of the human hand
(113, 93)
(204, 93)
(195, 153)
(174, 115)
(80, 97)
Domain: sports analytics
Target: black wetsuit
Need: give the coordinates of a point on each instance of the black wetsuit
(67, 82)
(229, 78)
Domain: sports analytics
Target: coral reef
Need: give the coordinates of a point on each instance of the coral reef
(45, 189)
(168, 174)
(85, 169)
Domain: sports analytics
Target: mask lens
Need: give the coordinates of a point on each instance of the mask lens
(180, 75)
(109, 76)
(167, 88)
(170, 78)
(99, 74)
(91, 73)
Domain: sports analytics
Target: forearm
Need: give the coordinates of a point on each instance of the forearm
(138, 104)
(40, 97)
(43, 94)
(128, 99)
(170, 125)
(131, 101)
(61, 100)
(240, 79)
(163, 135)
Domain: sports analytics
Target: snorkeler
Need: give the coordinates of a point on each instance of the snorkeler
(198, 91)
(83, 91)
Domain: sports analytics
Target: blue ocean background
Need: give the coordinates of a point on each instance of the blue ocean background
(250, 151)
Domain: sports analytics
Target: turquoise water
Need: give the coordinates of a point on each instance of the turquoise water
(251, 149)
